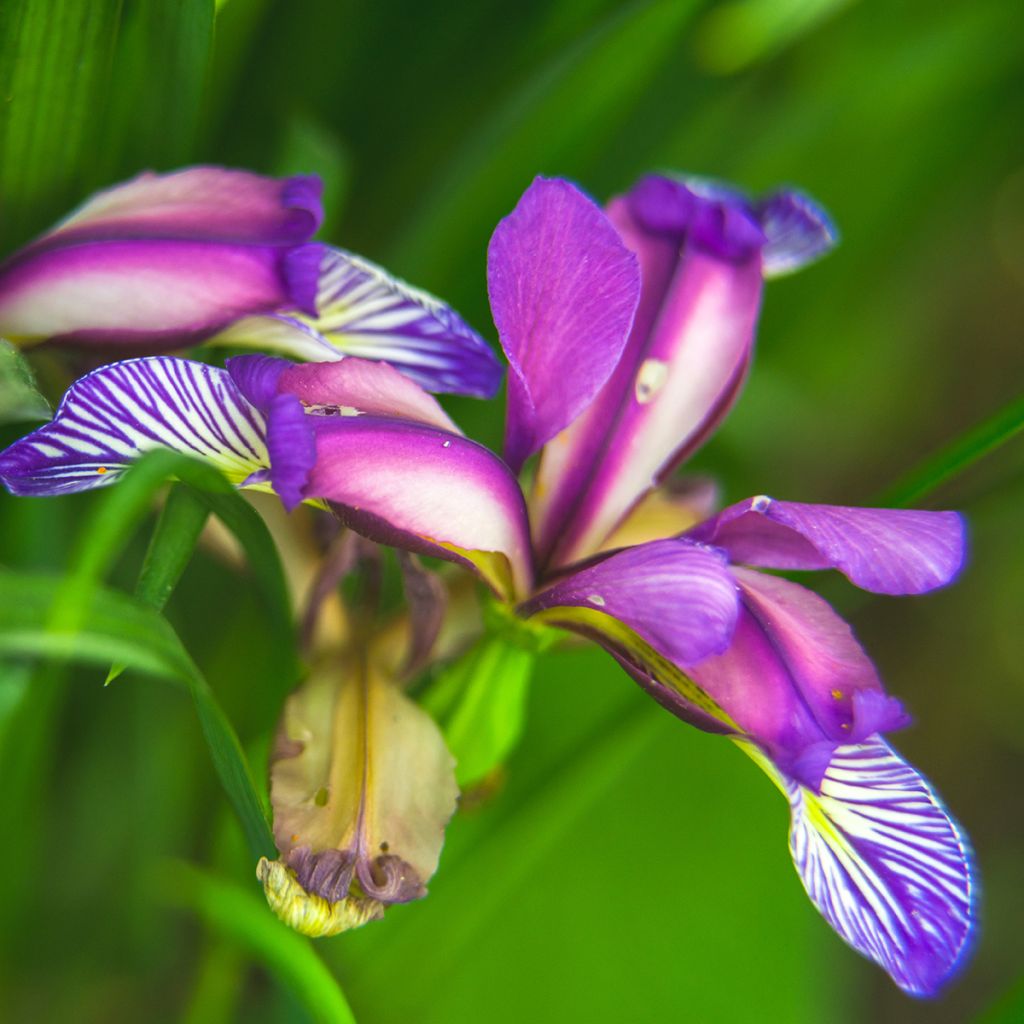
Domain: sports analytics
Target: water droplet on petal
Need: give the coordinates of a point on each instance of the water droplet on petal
(596, 599)
(650, 379)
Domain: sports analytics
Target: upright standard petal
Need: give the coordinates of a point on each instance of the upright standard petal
(684, 364)
(358, 309)
(362, 787)
(116, 413)
(795, 679)
(161, 261)
(563, 291)
(888, 551)
(426, 490)
(885, 863)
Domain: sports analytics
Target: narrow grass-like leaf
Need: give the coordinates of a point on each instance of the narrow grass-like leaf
(117, 628)
(177, 530)
(1008, 1008)
(958, 456)
(170, 549)
(159, 74)
(132, 498)
(55, 61)
(561, 116)
(241, 916)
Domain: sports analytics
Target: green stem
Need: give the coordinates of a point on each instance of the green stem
(952, 460)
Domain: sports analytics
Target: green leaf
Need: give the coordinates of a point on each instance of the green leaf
(181, 521)
(562, 115)
(120, 629)
(170, 550)
(1008, 1008)
(958, 456)
(20, 399)
(241, 916)
(160, 72)
(309, 147)
(55, 62)
(131, 499)
(480, 702)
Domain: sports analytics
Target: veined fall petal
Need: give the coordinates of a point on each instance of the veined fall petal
(115, 414)
(162, 260)
(362, 787)
(358, 309)
(884, 862)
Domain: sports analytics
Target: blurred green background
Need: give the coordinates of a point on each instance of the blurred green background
(631, 869)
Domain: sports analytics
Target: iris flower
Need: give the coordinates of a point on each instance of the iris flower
(224, 256)
(628, 335)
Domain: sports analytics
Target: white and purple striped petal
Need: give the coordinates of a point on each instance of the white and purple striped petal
(360, 310)
(163, 261)
(885, 863)
(117, 413)
(563, 290)
(887, 551)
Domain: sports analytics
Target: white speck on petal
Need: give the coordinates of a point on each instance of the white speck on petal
(760, 503)
(596, 599)
(446, 444)
(650, 379)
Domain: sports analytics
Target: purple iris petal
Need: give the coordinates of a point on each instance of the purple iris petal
(198, 202)
(886, 864)
(301, 268)
(257, 377)
(348, 306)
(160, 261)
(888, 551)
(678, 597)
(797, 229)
(292, 447)
(791, 678)
(563, 291)
(686, 359)
(366, 386)
(116, 413)
(712, 217)
(426, 490)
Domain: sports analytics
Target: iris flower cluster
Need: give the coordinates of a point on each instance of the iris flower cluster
(628, 333)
